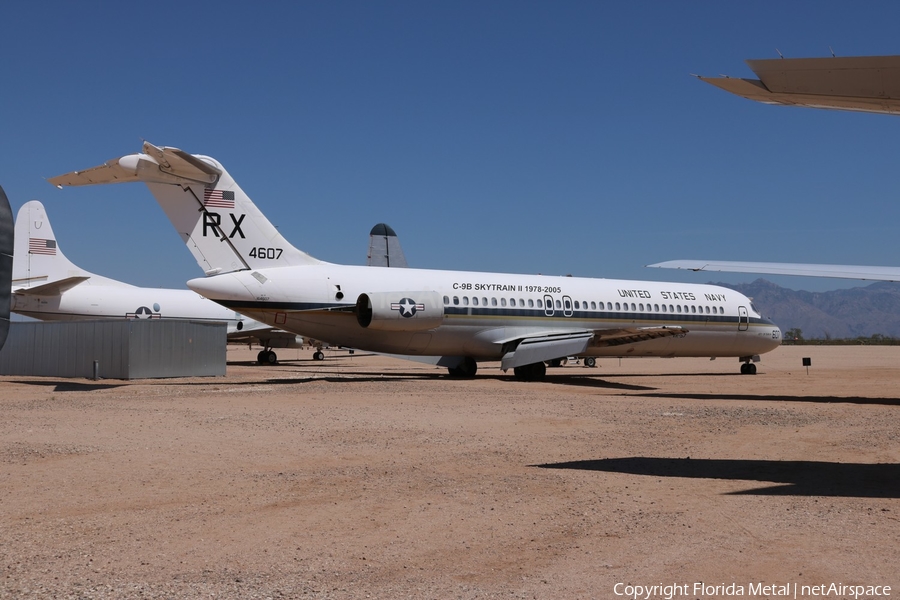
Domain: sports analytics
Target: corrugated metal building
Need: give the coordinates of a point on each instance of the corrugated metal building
(124, 349)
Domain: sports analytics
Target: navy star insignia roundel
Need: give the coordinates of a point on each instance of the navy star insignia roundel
(407, 307)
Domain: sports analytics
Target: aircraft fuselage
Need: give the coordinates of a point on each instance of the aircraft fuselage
(474, 313)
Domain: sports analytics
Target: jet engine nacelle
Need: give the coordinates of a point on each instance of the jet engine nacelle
(400, 311)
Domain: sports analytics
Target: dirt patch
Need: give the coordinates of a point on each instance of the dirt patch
(366, 476)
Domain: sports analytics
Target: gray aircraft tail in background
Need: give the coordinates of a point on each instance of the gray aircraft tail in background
(384, 248)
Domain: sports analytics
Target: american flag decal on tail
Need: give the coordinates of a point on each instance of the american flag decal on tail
(41, 246)
(218, 198)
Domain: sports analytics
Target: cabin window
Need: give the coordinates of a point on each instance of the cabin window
(721, 310)
(677, 308)
(493, 302)
(475, 300)
(502, 301)
(707, 310)
(446, 300)
(693, 308)
(530, 303)
(465, 300)
(456, 300)
(671, 308)
(483, 301)
(577, 305)
(617, 306)
(558, 304)
(664, 308)
(633, 307)
(521, 303)
(593, 305)
(656, 308)
(540, 304)
(641, 306)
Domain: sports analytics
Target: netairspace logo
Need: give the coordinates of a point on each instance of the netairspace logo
(767, 590)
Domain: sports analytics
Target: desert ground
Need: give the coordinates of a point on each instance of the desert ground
(367, 477)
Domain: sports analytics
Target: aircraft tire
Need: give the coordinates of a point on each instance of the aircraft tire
(465, 370)
(261, 357)
(318, 355)
(590, 361)
(271, 358)
(748, 369)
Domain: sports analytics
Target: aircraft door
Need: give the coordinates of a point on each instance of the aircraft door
(567, 306)
(548, 306)
(743, 318)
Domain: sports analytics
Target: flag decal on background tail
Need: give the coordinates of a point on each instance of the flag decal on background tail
(218, 198)
(41, 246)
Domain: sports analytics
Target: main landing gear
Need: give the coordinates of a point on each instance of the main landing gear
(267, 357)
(464, 370)
(748, 368)
(318, 355)
(532, 372)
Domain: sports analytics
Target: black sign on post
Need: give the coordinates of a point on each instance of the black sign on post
(807, 362)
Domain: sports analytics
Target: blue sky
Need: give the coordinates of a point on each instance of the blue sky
(532, 137)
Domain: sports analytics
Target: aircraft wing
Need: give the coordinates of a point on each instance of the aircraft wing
(549, 345)
(539, 347)
(861, 272)
(631, 335)
(54, 288)
(857, 83)
(264, 334)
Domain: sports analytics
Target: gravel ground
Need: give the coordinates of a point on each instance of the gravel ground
(363, 476)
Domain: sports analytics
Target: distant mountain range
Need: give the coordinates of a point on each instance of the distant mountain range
(860, 311)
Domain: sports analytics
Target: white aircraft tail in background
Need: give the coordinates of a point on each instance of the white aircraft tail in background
(449, 318)
(48, 286)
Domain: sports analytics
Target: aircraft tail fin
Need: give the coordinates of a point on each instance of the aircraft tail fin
(218, 222)
(384, 248)
(38, 262)
(6, 260)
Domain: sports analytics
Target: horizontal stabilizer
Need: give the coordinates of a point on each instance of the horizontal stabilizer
(54, 288)
(154, 165)
(535, 349)
(861, 272)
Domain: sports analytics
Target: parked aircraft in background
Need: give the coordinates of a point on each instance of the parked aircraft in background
(6, 258)
(450, 318)
(48, 286)
(856, 83)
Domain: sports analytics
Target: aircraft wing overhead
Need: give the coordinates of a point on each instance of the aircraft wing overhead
(861, 272)
(857, 83)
